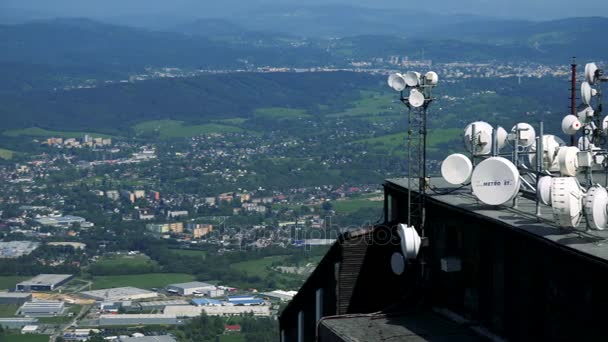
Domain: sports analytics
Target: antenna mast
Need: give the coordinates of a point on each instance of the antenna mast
(573, 96)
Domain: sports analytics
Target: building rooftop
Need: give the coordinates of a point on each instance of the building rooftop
(164, 303)
(120, 293)
(191, 285)
(46, 279)
(14, 295)
(206, 301)
(163, 338)
(591, 243)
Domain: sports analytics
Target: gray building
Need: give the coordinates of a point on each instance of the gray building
(42, 308)
(14, 298)
(161, 304)
(188, 289)
(17, 322)
(44, 282)
(163, 338)
(138, 319)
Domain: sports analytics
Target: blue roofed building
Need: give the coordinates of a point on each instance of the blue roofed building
(245, 300)
(206, 302)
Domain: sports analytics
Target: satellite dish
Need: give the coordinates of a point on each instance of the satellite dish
(585, 113)
(543, 190)
(495, 181)
(584, 144)
(551, 145)
(605, 125)
(591, 73)
(456, 169)
(416, 98)
(587, 93)
(596, 206)
(397, 263)
(412, 78)
(397, 82)
(567, 158)
(524, 133)
(431, 78)
(501, 136)
(410, 241)
(570, 125)
(567, 201)
(482, 140)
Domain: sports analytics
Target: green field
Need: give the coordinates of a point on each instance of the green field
(395, 143)
(9, 282)
(24, 338)
(43, 133)
(6, 154)
(146, 281)
(233, 121)
(232, 338)
(281, 113)
(352, 205)
(169, 129)
(130, 261)
(259, 267)
(370, 103)
(8, 310)
(74, 309)
(189, 253)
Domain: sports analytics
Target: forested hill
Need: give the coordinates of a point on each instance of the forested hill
(222, 96)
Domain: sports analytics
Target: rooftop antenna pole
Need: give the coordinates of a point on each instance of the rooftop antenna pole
(573, 97)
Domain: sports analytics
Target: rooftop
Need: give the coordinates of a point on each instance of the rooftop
(46, 279)
(191, 285)
(14, 295)
(120, 293)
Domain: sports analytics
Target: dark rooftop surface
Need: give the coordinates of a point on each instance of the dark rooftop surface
(591, 243)
(420, 326)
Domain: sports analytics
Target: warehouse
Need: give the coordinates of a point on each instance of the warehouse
(44, 282)
(161, 304)
(206, 302)
(138, 319)
(211, 310)
(193, 288)
(42, 308)
(119, 294)
(162, 338)
(14, 298)
(17, 322)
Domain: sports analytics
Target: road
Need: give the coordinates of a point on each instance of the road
(60, 331)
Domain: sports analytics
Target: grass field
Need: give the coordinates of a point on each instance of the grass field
(9, 282)
(8, 310)
(169, 129)
(24, 338)
(131, 261)
(370, 103)
(145, 281)
(396, 142)
(189, 253)
(352, 205)
(6, 154)
(281, 113)
(232, 338)
(74, 309)
(43, 133)
(259, 267)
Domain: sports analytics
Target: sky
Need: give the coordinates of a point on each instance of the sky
(520, 9)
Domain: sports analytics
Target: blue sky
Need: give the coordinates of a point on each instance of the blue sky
(527, 9)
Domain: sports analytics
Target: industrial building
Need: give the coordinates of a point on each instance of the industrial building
(63, 221)
(283, 296)
(161, 304)
(244, 300)
(42, 308)
(17, 322)
(206, 302)
(44, 282)
(162, 338)
(194, 288)
(213, 310)
(119, 294)
(138, 319)
(16, 249)
(14, 298)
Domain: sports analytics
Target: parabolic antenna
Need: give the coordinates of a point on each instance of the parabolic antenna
(551, 145)
(502, 136)
(567, 201)
(596, 206)
(567, 158)
(524, 133)
(410, 241)
(543, 191)
(416, 98)
(585, 144)
(585, 113)
(431, 78)
(590, 73)
(482, 140)
(397, 263)
(456, 169)
(605, 125)
(412, 78)
(587, 93)
(397, 82)
(570, 124)
(495, 181)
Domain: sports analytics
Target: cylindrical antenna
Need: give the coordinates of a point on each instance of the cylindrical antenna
(573, 97)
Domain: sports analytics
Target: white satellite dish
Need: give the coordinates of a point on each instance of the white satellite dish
(482, 140)
(590, 73)
(605, 124)
(585, 113)
(410, 241)
(570, 125)
(526, 136)
(596, 207)
(551, 145)
(416, 98)
(495, 181)
(584, 144)
(543, 190)
(587, 93)
(502, 137)
(397, 82)
(412, 78)
(567, 158)
(431, 78)
(567, 201)
(456, 169)
(397, 263)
